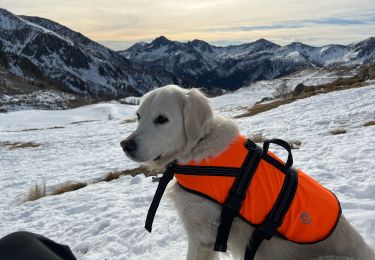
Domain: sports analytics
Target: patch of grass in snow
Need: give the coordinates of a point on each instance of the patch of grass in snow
(16, 145)
(130, 120)
(132, 172)
(28, 130)
(258, 138)
(260, 108)
(35, 129)
(81, 101)
(67, 187)
(307, 91)
(36, 192)
(369, 123)
(53, 127)
(83, 121)
(39, 190)
(338, 131)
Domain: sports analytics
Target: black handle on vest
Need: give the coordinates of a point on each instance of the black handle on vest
(283, 144)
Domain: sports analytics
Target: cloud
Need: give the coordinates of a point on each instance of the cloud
(368, 19)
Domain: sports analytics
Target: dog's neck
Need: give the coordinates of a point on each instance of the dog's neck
(217, 134)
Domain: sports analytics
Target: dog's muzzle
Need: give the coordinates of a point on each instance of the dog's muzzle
(128, 145)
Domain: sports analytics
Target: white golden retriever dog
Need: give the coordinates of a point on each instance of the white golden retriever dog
(179, 124)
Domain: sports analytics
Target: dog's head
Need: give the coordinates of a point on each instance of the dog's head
(169, 120)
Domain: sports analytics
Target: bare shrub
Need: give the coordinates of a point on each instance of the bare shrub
(83, 121)
(132, 172)
(67, 187)
(295, 144)
(282, 91)
(258, 138)
(36, 192)
(28, 129)
(369, 123)
(265, 99)
(112, 176)
(260, 108)
(130, 120)
(25, 145)
(15, 145)
(338, 131)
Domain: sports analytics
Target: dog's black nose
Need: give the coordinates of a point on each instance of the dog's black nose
(128, 145)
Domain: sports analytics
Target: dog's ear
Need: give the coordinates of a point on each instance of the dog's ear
(197, 112)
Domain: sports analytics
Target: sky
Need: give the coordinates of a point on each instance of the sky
(120, 23)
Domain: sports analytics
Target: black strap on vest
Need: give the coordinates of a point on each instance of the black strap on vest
(232, 205)
(269, 227)
(168, 175)
(206, 170)
(163, 183)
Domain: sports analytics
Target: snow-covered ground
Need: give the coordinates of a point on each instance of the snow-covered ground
(105, 220)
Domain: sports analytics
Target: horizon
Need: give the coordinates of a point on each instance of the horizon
(122, 23)
(186, 41)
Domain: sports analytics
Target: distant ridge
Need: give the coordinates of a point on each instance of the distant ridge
(233, 66)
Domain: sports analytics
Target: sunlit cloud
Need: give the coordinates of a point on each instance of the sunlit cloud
(120, 23)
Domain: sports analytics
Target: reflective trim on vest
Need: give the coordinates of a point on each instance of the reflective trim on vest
(311, 217)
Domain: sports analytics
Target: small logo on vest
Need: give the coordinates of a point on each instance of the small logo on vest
(305, 218)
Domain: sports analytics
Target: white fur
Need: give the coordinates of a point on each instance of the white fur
(194, 133)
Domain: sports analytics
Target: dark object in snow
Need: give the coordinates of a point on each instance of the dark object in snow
(299, 89)
(26, 245)
(156, 179)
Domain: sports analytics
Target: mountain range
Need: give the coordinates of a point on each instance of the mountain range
(41, 49)
(234, 66)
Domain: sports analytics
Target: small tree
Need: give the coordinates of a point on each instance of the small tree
(282, 90)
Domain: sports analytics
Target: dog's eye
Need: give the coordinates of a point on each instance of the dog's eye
(161, 120)
(138, 117)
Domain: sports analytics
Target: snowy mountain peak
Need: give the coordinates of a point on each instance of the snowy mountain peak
(265, 42)
(160, 41)
(39, 48)
(9, 21)
(201, 46)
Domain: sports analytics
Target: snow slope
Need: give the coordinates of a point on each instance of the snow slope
(105, 220)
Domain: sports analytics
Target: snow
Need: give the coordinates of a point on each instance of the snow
(105, 220)
(236, 103)
(315, 76)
